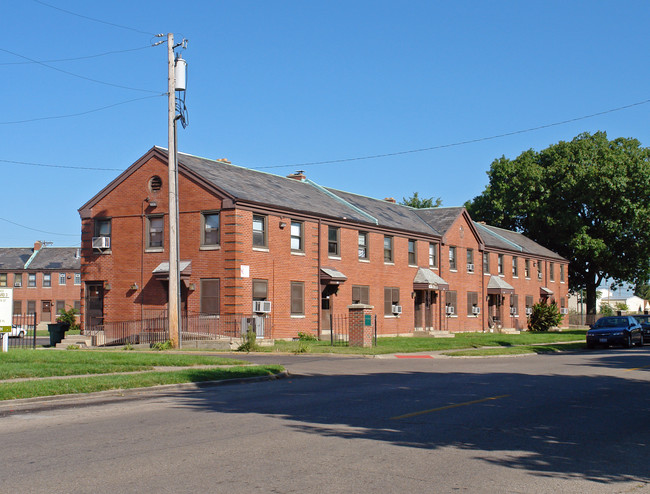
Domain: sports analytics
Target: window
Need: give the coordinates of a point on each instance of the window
(61, 278)
(77, 278)
(391, 297)
(60, 306)
(360, 294)
(529, 304)
(18, 280)
(433, 256)
(260, 290)
(500, 264)
(259, 230)
(297, 298)
(102, 227)
(3, 279)
(470, 260)
(551, 271)
(562, 303)
(539, 270)
(31, 306)
(452, 258)
(47, 280)
(472, 303)
(210, 229)
(156, 232)
(333, 247)
(31, 279)
(412, 253)
(514, 304)
(450, 303)
(562, 273)
(297, 236)
(18, 307)
(527, 268)
(388, 248)
(210, 296)
(77, 305)
(486, 262)
(363, 245)
(515, 267)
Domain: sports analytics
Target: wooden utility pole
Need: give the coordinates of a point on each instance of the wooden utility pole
(173, 305)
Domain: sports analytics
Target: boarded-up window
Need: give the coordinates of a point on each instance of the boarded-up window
(514, 304)
(297, 298)
(360, 294)
(391, 297)
(472, 301)
(529, 301)
(450, 302)
(18, 307)
(210, 296)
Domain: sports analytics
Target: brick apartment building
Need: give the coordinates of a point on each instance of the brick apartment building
(249, 237)
(44, 279)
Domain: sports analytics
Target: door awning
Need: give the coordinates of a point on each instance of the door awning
(161, 272)
(331, 276)
(545, 292)
(499, 286)
(425, 279)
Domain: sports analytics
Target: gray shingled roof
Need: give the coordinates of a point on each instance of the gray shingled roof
(505, 239)
(440, 218)
(63, 258)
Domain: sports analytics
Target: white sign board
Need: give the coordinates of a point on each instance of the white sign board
(244, 271)
(6, 309)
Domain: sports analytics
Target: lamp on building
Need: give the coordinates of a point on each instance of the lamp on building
(283, 224)
(191, 287)
(107, 286)
(134, 286)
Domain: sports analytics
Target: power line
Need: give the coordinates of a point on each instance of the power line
(46, 165)
(80, 58)
(81, 113)
(94, 19)
(460, 143)
(40, 231)
(78, 75)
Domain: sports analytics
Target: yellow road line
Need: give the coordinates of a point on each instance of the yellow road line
(447, 407)
(636, 368)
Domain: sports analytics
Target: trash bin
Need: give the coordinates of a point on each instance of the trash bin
(57, 332)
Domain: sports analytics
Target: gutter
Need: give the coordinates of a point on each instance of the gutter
(342, 201)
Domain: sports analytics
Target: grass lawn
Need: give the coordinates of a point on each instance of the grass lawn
(427, 344)
(45, 363)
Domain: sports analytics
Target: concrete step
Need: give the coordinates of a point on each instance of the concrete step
(79, 340)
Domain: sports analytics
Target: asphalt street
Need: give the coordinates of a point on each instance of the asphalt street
(568, 422)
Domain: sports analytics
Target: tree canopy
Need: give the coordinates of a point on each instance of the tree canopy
(416, 202)
(586, 199)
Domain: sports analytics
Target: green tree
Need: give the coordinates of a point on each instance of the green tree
(586, 199)
(415, 202)
(642, 290)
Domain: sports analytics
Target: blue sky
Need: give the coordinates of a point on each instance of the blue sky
(291, 82)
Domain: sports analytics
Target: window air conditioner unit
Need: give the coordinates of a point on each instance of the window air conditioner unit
(397, 309)
(263, 306)
(449, 310)
(529, 311)
(564, 310)
(513, 310)
(476, 310)
(101, 242)
(470, 267)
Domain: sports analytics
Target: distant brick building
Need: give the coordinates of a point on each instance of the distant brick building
(44, 279)
(252, 242)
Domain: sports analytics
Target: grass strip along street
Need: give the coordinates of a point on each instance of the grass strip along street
(52, 364)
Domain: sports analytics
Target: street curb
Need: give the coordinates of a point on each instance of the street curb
(41, 403)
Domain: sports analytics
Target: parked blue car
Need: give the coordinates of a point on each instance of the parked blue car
(644, 321)
(615, 330)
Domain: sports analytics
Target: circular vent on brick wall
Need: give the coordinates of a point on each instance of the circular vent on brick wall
(155, 183)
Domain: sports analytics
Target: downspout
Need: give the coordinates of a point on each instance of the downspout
(440, 302)
(318, 323)
(483, 294)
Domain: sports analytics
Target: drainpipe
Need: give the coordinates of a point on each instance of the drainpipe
(318, 323)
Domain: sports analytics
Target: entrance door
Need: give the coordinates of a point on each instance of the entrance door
(46, 310)
(419, 309)
(428, 311)
(94, 305)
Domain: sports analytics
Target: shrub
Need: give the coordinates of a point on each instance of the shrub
(68, 317)
(307, 336)
(606, 310)
(162, 345)
(544, 317)
(249, 341)
(72, 347)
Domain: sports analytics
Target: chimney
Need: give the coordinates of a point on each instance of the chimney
(37, 246)
(299, 175)
(390, 199)
(224, 160)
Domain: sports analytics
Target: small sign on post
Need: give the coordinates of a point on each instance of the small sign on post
(6, 315)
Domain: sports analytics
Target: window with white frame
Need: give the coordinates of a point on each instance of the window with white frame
(433, 256)
(470, 260)
(61, 278)
(47, 280)
(363, 245)
(31, 279)
(297, 236)
(412, 253)
(452, 258)
(155, 229)
(527, 268)
(515, 267)
(388, 248)
(77, 278)
(500, 264)
(259, 230)
(486, 262)
(211, 229)
(333, 241)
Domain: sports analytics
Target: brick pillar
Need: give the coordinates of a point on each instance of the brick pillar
(360, 325)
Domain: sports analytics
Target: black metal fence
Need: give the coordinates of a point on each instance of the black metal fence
(23, 331)
(194, 327)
